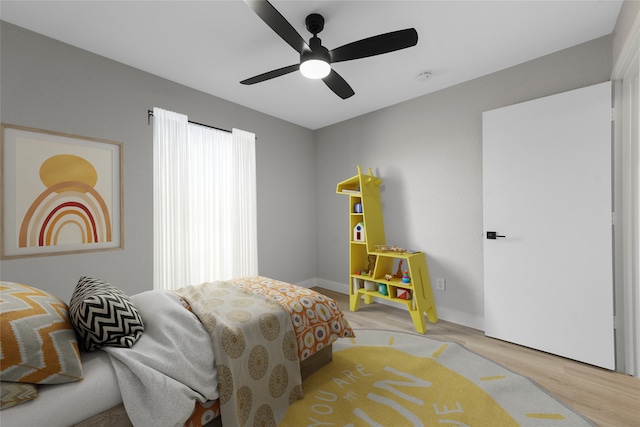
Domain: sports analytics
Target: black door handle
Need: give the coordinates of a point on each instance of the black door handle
(493, 235)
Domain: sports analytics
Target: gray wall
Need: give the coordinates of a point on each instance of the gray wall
(50, 85)
(428, 151)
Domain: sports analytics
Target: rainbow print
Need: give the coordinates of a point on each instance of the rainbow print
(69, 210)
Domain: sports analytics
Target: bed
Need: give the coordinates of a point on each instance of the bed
(125, 385)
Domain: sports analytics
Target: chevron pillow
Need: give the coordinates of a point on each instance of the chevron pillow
(103, 315)
(37, 341)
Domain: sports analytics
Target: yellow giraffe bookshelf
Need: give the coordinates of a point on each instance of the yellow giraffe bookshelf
(372, 263)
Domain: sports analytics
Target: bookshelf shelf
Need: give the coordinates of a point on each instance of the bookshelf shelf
(372, 272)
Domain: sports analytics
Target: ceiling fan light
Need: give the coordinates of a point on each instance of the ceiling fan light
(315, 69)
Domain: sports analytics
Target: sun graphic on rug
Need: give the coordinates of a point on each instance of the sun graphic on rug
(416, 391)
(416, 381)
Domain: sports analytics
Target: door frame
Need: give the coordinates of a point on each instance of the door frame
(626, 219)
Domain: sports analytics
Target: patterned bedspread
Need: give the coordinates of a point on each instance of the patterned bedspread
(255, 351)
(317, 319)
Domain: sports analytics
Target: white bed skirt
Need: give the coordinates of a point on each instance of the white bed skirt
(67, 404)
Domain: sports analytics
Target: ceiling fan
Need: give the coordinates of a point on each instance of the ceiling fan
(315, 59)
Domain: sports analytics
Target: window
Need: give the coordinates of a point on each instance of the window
(204, 189)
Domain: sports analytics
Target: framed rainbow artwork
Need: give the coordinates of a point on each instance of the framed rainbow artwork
(61, 193)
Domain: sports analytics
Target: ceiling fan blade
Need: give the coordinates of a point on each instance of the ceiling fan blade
(376, 45)
(338, 85)
(271, 74)
(278, 23)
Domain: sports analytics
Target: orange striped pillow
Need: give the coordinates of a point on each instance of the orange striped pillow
(39, 345)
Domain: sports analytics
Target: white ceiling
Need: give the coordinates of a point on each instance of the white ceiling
(212, 45)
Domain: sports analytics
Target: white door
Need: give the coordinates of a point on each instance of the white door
(548, 283)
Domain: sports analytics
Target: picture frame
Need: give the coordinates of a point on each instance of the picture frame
(60, 193)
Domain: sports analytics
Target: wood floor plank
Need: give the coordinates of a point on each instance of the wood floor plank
(609, 399)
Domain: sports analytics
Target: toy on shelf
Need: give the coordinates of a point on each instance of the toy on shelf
(357, 284)
(399, 271)
(388, 276)
(358, 232)
(391, 248)
(357, 208)
(370, 286)
(382, 289)
(372, 264)
(405, 277)
(403, 293)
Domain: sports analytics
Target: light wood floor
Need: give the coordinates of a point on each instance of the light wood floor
(607, 398)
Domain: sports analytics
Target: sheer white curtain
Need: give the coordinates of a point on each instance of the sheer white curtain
(204, 202)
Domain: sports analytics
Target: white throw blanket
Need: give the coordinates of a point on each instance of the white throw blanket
(169, 367)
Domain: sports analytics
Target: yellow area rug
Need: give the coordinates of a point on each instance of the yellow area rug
(389, 379)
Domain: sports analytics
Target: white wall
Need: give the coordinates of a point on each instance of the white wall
(50, 85)
(428, 151)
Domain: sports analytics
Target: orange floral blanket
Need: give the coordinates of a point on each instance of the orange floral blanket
(316, 318)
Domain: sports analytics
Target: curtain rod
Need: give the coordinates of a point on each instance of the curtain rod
(150, 114)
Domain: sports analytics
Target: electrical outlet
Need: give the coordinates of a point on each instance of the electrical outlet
(441, 284)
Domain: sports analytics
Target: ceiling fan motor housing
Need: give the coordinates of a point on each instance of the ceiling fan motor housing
(315, 23)
(317, 51)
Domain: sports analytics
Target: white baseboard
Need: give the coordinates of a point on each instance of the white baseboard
(460, 318)
(307, 283)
